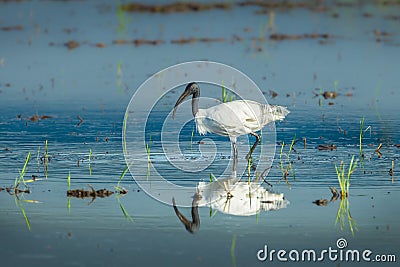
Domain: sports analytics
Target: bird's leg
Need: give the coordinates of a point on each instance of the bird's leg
(254, 145)
(235, 156)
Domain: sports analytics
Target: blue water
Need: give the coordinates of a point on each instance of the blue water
(39, 75)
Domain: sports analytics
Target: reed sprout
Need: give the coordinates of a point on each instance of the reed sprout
(362, 133)
(124, 130)
(89, 165)
(20, 178)
(284, 158)
(45, 158)
(69, 188)
(224, 94)
(344, 180)
(233, 246)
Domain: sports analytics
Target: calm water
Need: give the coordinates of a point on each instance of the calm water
(40, 75)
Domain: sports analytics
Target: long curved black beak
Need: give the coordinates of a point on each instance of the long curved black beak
(183, 96)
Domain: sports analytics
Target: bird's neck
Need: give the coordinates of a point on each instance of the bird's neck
(195, 103)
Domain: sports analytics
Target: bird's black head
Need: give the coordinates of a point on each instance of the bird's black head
(191, 89)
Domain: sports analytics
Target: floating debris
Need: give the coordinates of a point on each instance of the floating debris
(273, 94)
(329, 94)
(335, 193)
(321, 202)
(80, 122)
(121, 41)
(100, 45)
(12, 28)
(138, 42)
(177, 7)
(82, 193)
(34, 118)
(392, 17)
(281, 37)
(381, 35)
(15, 190)
(326, 147)
(378, 150)
(72, 44)
(191, 40)
(122, 191)
(44, 117)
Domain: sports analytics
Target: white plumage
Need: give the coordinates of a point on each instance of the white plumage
(233, 118)
(237, 117)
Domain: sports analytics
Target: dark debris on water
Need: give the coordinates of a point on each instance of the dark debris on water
(92, 193)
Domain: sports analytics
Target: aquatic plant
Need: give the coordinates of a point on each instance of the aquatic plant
(343, 214)
(148, 146)
(120, 191)
(148, 152)
(377, 88)
(45, 158)
(20, 178)
(89, 165)
(69, 188)
(119, 76)
(18, 203)
(117, 187)
(362, 133)
(344, 181)
(233, 246)
(19, 194)
(191, 138)
(124, 129)
(391, 171)
(124, 211)
(284, 158)
(224, 94)
(38, 158)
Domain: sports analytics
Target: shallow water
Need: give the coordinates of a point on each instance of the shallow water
(40, 75)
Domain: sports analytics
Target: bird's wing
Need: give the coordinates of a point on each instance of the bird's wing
(237, 117)
(232, 118)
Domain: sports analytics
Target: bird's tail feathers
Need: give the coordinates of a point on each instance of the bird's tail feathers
(279, 112)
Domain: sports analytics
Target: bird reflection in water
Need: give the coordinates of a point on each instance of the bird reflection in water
(193, 225)
(240, 199)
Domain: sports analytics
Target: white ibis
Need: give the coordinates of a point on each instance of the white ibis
(233, 118)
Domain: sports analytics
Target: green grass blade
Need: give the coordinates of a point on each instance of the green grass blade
(126, 214)
(124, 130)
(90, 166)
(122, 176)
(69, 180)
(46, 158)
(26, 218)
(233, 246)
